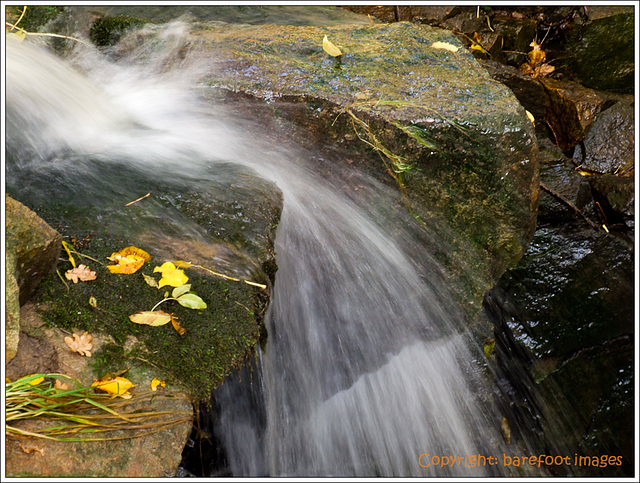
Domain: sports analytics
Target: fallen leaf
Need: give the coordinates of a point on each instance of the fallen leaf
(152, 282)
(65, 245)
(176, 325)
(80, 343)
(81, 272)
(182, 289)
(445, 46)
(171, 275)
(191, 301)
(58, 384)
(30, 448)
(489, 346)
(546, 69)
(531, 118)
(537, 55)
(35, 381)
(182, 264)
(506, 431)
(114, 385)
(157, 382)
(128, 260)
(329, 48)
(93, 302)
(154, 318)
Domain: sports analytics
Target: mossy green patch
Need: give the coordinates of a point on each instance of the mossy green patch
(107, 30)
(217, 338)
(35, 17)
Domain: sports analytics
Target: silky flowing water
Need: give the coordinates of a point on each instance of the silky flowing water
(367, 365)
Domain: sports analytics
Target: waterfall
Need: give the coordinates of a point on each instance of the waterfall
(367, 366)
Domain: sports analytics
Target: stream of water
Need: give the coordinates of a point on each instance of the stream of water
(367, 365)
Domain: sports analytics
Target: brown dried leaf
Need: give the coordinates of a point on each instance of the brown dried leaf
(80, 343)
(58, 384)
(81, 272)
(176, 325)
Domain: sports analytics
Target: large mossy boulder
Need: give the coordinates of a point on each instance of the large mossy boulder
(32, 249)
(416, 114)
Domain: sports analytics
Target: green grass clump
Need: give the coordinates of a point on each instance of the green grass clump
(78, 413)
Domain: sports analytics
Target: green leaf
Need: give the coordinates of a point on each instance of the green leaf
(182, 289)
(191, 301)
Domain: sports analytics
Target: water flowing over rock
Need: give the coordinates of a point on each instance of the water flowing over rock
(456, 143)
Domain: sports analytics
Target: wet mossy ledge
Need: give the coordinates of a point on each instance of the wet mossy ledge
(230, 230)
(418, 112)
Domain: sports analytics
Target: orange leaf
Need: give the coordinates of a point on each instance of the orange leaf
(114, 385)
(176, 325)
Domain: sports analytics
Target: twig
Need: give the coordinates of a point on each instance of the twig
(139, 199)
(561, 198)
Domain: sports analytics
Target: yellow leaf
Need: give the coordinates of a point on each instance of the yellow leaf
(329, 48)
(537, 55)
(182, 264)
(478, 47)
(65, 245)
(35, 381)
(114, 385)
(155, 318)
(128, 260)
(445, 45)
(171, 275)
(531, 118)
(157, 382)
(93, 302)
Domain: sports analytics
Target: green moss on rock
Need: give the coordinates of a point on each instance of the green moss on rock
(108, 30)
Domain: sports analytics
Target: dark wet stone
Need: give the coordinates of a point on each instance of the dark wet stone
(571, 111)
(602, 53)
(609, 146)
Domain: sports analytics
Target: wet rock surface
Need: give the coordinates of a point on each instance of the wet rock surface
(456, 143)
(32, 251)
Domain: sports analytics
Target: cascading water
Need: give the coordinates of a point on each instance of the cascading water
(367, 365)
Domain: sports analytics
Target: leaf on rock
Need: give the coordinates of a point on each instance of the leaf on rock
(182, 264)
(154, 318)
(155, 383)
(330, 48)
(537, 55)
(80, 343)
(152, 282)
(171, 275)
(81, 272)
(114, 385)
(182, 289)
(128, 260)
(445, 46)
(176, 325)
(191, 301)
(58, 384)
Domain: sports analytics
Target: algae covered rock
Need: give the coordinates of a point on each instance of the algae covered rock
(419, 112)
